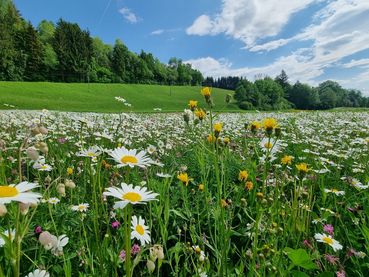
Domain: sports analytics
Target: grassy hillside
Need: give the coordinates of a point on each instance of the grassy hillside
(100, 97)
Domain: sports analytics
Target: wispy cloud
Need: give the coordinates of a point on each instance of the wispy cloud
(129, 15)
(157, 32)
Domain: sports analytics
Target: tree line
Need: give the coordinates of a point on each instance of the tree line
(266, 93)
(63, 52)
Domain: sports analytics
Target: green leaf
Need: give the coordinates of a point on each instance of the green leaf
(326, 274)
(296, 273)
(300, 257)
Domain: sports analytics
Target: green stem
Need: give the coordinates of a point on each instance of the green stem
(128, 215)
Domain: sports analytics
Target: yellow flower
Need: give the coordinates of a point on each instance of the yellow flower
(286, 160)
(268, 145)
(218, 127)
(226, 140)
(211, 138)
(302, 167)
(200, 114)
(192, 104)
(201, 187)
(243, 175)
(249, 185)
(183, 177)
(255, 125)
(69, 171)
(223, 203)
(206, 91)
(269, 124)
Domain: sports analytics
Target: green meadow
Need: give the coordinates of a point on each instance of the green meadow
(82, 97)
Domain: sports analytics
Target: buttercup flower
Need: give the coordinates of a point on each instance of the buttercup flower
(183, 177)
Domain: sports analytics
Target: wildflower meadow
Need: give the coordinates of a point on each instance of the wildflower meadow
(199, 193)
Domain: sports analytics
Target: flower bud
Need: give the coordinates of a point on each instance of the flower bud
(70, 184)
(3, 210)
(24, 207)
(43, 130)
(47, 240)
(150, 266)
(32, 153)
(61, 189)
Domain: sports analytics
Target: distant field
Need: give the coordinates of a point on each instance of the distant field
(100, 97)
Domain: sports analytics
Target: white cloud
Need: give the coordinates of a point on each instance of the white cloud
(357, 63)
(129, 15)
(248, 20)
(340, 29)
(157, 32)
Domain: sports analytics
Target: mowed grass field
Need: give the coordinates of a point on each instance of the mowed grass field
(100, 97)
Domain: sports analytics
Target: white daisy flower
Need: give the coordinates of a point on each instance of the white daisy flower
(42, 166)
(83, 207)
(151, 149)
(53, 200)
(335, 191)
(131, 158)
(140, 230)
(130, 194)
(163, 175)
(38, 273)
(92, 152)
(20, 193)
(327, 239)
(10, 235)
(357, 184)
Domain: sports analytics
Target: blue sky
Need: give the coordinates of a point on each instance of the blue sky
(312, 40)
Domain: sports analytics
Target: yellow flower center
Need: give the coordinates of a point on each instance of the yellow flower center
(334, 190)
(268, 145)
(129, 159)
(91, 154)
(328, 240)
(43, 167)
(140, 230)
(7, 191)
(132, 197)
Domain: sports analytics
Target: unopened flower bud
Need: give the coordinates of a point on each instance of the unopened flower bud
(150, 266)
(43, 130)
(3, 210)
(61, 189)
(24, 208)
(32, 153)
(70, 184)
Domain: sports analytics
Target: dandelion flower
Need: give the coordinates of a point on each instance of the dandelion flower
(287, 160)
(130, 194)
(20, 193)
(192, 104)
(131, 158)
(302, 167)
(269, 124)
(206, 91)
(140, 230)
(183, 177)
(243, 175)
(327, 239)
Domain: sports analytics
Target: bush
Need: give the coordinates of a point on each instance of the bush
(245, 105)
